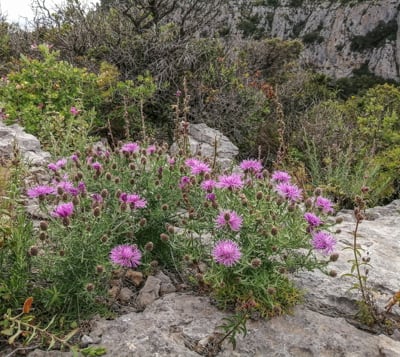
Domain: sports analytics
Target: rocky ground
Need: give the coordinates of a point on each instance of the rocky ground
(160, 321)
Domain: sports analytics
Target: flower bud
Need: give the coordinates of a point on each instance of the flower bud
(334, 257)
(108, 176)
(333, 273)
(274, 231)
(142, 222)
(271, 291)
(96, 211)
(42, 236)
(256, 263)
(149, 246)
(99, 269)
(89, 287)
(164, 237)
(33, 251)
(259, 195)
(104, 193)
(171, 229)
(43, 225)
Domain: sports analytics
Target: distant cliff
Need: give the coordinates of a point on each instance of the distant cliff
(339, 36)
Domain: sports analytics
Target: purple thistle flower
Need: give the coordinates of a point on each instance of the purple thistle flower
(74, 158)
(253, 166)
(229, 218)
(210, 197)
(324, 204)
(200, 168)
(63, 210)
(191, 162)
(208, 185)
(67, 186)
(280, 176)
(324, 242)
(133, 199)
(130, 147)
(226, 252)
(41, 190)
(96, 197)
(81, 187)
(312, 219)
(126, 255)
(171, 161)
(151, 150)
(232, 181)
(74, 111)
(185, 180)
(289, 192)
(58, 165)
(97, 166)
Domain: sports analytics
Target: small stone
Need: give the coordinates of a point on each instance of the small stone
(86, 341)
(150, 292)
(125, 295)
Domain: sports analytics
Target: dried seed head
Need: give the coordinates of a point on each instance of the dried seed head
(256, 263)
(259, 195)
(61, 252)
(274, 231)
(42, 236)
(104, 238)
(117, 180)
(308, 203)
(108, 176)
(99, 269)
(142, 222)
(171, 229)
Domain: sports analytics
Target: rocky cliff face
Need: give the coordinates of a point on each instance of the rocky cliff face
(339, 37)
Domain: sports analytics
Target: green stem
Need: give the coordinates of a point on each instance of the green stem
(356, 260)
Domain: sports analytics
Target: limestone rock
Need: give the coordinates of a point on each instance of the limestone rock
(332, 27)
(203, 139)
(150, 292)
(28, 145)
(166, 285)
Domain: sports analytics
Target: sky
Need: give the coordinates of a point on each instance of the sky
(20, 10)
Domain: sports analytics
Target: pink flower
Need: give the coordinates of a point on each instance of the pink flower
(324, 242)
(253, 166)
(289, 192)
(74, 111)
(130, 147)
(63, 210)
(208, 185)
(280, 176)
(58, 165)
(151, 150)
(171, 161)
(41, 190)
(97, 166)
(324, 204)
(185, 180)
(68, 186)
(226, 252)
(229, 218)
(210, 197)
(230, 181)
(134, 200)
(197, 167)
(126, 255)
(312, 219)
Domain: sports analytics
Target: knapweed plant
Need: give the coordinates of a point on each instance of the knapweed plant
(236, 234)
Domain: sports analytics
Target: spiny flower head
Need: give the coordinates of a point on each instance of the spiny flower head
(323, 242)
(41, 190)
(185, 180)
(126, 255)
(133, 199)
(97, 166)
(232, 181)
(324, 204)
(208, 185)
(130, 147)
(197, 167)
(229, 219)
(312, 219)
(58, 165)
(289, 191)
(63, 210)
(151, 150)
(280, 176)
(226, 252)
(253, 166)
